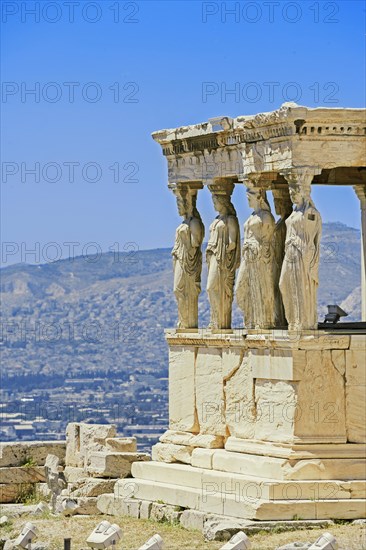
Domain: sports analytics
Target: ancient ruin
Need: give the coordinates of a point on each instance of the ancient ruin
(267, 421)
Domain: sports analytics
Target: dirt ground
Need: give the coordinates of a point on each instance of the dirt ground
(136, 532)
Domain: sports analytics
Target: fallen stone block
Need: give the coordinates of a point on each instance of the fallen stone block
(72, 473)
(18, 454)
(17, 492)
(83, 439)
(22, 474)
(121, 444)
(113, 464)
(193, 519)
(87, 506)
(222, 530)
(110, 505)
(9, 492)
(168, 452)
(91, 487)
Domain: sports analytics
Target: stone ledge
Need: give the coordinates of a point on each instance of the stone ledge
(17, 454)
(296, 451)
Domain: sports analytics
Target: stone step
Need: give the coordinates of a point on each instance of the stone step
(265, 467)
(249, 487)
(295, 451)
(234, 506)
(283, 469)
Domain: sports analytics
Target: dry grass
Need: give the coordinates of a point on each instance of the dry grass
(136, 532)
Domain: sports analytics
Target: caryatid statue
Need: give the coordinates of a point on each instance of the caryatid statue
(255, 289)
(283, 207)
(299, 275)
(187, 255)
(223, 256)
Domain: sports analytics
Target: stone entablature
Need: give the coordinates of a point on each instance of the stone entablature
(292, 136)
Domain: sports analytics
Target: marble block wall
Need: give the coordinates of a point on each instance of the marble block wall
(268, 388)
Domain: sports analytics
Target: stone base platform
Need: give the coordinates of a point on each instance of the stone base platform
(262, 426)
(243, 496)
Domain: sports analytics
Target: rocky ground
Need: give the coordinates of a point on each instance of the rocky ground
(135, 532)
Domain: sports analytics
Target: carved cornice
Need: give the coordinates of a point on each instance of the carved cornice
(289, 120)
(274, 145)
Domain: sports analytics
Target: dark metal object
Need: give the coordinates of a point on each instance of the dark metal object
(67, 544)
(334, 314)
(345, 328)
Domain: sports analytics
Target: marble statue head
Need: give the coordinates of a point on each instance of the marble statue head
(300, 194)
(257, 198)
(221, 198)
(186, 200)
(282, 202)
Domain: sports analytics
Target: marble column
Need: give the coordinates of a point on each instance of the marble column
(300, 269)
(223, 256)
(283, 208)
(255, 290)
(187, 255)
(361, 193)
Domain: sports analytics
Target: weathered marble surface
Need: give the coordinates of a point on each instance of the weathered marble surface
(307, 389)
(299, 278)
(255, 289)
(187, 256)
(223, 257)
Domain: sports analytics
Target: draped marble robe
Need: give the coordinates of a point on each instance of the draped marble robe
(223, 258)
(299, 275)
(187, 265)
(255, 284)
(283, 206)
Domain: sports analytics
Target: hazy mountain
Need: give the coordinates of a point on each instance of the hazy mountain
(77, 316)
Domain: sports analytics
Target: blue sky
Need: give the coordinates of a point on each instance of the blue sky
(140, 67)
